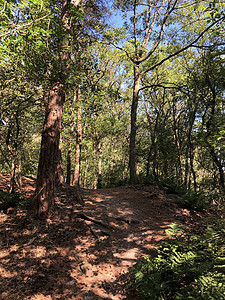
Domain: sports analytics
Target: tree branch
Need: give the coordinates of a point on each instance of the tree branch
(168, 12)
(184, 48)
(14, 30)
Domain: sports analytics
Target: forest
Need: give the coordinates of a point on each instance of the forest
(100, 95)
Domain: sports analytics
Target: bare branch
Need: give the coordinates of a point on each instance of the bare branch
(184, 48)
(122, 49)
(168, 12)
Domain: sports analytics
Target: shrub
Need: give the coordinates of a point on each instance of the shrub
(192, 199)
(8, 200)
(186, 267)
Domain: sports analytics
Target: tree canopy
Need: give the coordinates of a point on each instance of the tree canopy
(141, 99)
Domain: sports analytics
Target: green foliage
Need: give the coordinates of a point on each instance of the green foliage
(192, 199)
(186, 267)
(185, 198)
(172, 186)
(8, 200)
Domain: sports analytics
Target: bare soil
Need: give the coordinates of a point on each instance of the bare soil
(84, 250)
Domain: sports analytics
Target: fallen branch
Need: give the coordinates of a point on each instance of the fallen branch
(85, 217)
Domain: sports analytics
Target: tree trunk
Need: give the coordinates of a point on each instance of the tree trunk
(219, 165)
(133, 171)
(179, 168)
(192, 166)
(12, 177)
(99, 185)
(76, 178)
(47, 168)
(68, 167)
(59, 170)
(19, 175)
(152, 155)
(186, 167)
(85, 173)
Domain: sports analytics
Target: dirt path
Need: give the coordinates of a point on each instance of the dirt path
(137, 220)
(84, 251)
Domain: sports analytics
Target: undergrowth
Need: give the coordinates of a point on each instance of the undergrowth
(8, 200)
(186, 266)
(184, 197)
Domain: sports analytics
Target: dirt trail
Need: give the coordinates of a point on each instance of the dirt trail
(137, 219)
(84, 251)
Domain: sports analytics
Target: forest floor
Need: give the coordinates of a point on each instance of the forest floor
(84, 251)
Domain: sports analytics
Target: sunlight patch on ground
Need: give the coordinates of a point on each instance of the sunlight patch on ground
(39, 297)
(39, 251)
(3, 253)
(125, 211)
(132, 238)
(6, 274)
(129, 254)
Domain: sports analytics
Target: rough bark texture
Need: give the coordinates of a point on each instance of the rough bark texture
(47, 168)
(133, 172)
(49, 155)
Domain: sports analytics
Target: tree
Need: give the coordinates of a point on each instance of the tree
(141, 43)
(54, 102)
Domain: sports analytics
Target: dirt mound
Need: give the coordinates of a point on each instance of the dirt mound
(85, 250)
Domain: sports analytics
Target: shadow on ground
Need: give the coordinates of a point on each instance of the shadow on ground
(84, 251)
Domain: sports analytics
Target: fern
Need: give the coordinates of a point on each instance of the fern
(186, 267)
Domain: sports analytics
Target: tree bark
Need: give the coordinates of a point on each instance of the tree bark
(68, 167)
(47, 168)
(219, 165)
(12, 177)
(179, 168)
(60, 181)
(133, 171)
(152, 154)
(99, 185)
(43, 201)
(76, 178)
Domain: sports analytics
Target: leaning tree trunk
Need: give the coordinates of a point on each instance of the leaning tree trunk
(133, 171)
(47, 168)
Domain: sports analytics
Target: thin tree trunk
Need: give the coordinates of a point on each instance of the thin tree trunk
(76, 178)
(132, 164)
(12, 177)
(220, 168)
(85, 173)
(99, 185)
(59, 170)
(47, 168)
(179, 169)
(192, 166)
(186, 168)
(19, 176)
(68, 167)
(152, 151)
